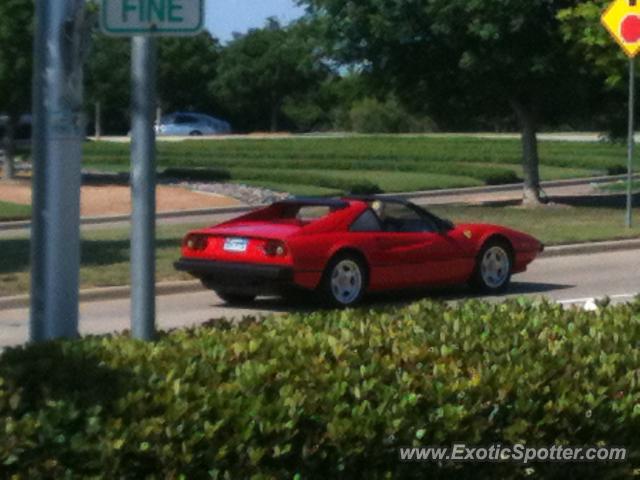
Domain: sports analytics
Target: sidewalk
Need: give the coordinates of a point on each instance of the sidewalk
(498, 194)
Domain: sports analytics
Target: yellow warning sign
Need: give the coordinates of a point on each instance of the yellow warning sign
(622, 19)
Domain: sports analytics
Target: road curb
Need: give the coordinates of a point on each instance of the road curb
(593, 247)
(107, 293)
(171, 288)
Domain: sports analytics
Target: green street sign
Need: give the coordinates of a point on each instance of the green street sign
(126, 18)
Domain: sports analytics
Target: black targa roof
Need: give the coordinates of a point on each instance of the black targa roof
(340, 202)
(315, 202)
(380, 198)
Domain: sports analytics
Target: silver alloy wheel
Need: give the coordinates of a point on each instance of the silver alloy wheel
(346, 281)
(495, 267)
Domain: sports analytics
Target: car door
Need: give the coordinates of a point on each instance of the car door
(184, 124)
(411, 249)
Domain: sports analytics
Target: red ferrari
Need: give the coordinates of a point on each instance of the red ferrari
(346, 247)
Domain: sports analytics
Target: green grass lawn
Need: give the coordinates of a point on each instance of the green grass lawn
(394, 163)
(13, 211)
(105, 253)
(105, 258)
(553, 225)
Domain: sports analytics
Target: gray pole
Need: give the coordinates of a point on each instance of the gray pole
(631, 141)
(143, 181)
(98, 121)
(60, 45)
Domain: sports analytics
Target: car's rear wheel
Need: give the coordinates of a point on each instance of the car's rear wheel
(344, 281)
(493, 267)
(196, 133)
(233, 298)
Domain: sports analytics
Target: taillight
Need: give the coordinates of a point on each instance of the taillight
(196, 242)
(275, 248)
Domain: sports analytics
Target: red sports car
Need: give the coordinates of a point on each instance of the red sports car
(346, 247)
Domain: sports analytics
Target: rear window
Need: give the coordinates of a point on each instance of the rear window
(309, 214)
(304, 213)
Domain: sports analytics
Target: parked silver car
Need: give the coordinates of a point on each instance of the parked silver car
(191, 124)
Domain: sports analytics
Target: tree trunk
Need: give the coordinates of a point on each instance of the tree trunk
(98, 121)
(274, 117)
(9, 148)
(530, 158)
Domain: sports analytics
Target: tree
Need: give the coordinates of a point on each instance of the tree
(451, 55)
(16, 52)
(186, 70)
(580, 25)
(108, 80)
(260, 70)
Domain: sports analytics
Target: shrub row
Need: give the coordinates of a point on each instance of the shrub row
(327, 395)
(489, 174)
(347, 185)
(197, 174)
(196, 168)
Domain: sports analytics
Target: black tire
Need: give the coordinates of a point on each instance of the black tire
(233, 298)
(196, 133)
(330, 291)
(495, 278)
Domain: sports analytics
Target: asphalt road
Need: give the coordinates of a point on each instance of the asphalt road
(569, 280)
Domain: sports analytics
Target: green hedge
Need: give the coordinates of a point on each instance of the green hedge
(345, 184)
(327, 395)
(385, 148)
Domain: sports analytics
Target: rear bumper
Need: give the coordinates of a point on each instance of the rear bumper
(238, 277)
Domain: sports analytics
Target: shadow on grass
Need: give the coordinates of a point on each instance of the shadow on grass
(169, 175)
(615, 200)
(15, 252)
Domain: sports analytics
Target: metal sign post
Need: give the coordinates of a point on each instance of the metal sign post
(622, 20)
(631, 141)
(60, 46)
(144, 20)
(143, 187)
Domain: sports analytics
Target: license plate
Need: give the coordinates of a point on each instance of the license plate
(236, 244)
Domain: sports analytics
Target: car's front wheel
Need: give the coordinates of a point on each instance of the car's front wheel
(344, 281)
(493, 267)
(233, 298)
